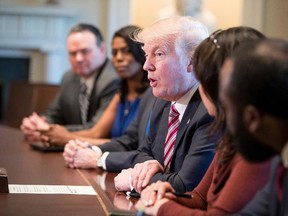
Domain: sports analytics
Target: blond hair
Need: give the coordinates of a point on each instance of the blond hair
(184, 31)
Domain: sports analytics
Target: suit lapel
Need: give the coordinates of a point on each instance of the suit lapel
(162, 131)
(188, 117)
(93, 105)
(75, 94)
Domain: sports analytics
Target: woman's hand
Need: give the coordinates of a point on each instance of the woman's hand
(157, 191)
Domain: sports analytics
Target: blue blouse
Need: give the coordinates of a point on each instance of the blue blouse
(126, 113)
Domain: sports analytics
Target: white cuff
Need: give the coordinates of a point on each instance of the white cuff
(97, 149)
(101, 162)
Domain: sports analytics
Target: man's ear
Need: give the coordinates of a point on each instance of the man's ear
(190, 65)
(251, 118)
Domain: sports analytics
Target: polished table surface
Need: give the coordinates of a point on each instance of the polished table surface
(27, 166)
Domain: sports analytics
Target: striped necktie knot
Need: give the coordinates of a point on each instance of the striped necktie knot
(173, 111)
(84, 102)
(83, 89)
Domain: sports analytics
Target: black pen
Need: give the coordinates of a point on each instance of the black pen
(183, 195)
(133, 193)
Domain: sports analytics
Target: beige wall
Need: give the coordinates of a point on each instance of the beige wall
(269, 16)
(227, 12)
(144, 12)
(275, 21)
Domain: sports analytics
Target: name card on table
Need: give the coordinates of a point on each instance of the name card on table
(51, 189)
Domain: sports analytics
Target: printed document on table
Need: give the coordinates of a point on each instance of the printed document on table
(51, 189)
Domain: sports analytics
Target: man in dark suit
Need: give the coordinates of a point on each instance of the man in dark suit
(90, 69)
(169, 46)
(119, 153)
(194, 147)
(254, 92)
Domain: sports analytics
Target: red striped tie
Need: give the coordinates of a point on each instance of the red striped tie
(173, 124)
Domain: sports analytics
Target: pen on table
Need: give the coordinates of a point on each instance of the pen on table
(133, 193)
(183, 195)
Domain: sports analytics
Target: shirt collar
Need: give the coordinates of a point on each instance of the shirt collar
(284, 155)
(183, 102)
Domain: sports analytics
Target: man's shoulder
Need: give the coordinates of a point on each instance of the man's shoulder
(161, 104)
(197, 110)
(108, 74)
(197, 102)
(148, 96)
(69, 76)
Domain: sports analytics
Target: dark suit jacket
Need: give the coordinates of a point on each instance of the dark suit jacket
(65, 108)
(123, 149)
(194, 148)
(265, 203)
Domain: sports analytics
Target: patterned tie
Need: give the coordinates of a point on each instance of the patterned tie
(84, 102)
(173, 124)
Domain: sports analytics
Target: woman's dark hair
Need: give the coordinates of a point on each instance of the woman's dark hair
(208, 59)
(135, 48)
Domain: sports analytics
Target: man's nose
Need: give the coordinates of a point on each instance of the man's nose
(148, 66)
(79, 56)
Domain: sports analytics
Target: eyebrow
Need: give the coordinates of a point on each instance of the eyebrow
(121, 47)
(164, 47)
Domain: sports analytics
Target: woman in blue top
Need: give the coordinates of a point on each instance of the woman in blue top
(128, 59)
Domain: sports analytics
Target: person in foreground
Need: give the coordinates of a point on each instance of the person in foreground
(92, 79)
(254, 92)
(220, 192)
(128, 60)
(178, 148)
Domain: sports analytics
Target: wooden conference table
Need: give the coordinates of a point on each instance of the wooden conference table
(27, 166)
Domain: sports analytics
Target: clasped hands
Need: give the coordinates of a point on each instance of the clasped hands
(36, 128)
(137, 177)
(78, 154)
(32, 127)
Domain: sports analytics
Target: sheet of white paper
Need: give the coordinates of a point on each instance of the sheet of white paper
(51, 189)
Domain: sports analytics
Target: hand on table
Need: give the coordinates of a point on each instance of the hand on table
(32, 125)
(154, 196)
(78, 154)
(157, 191)
(143, 172)
(57, 135)
(137, 177)
(123, 180)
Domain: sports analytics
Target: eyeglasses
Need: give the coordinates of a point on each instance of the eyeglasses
(123, 50)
